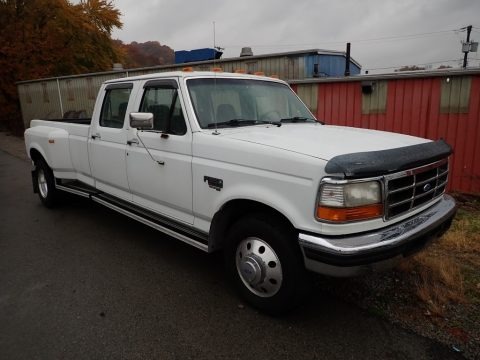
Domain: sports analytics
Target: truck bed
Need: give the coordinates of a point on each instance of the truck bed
(83, 121)
(76, 127)
(64, 144)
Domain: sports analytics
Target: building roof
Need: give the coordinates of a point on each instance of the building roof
(392, 76)
(288, 53)
(220, 61)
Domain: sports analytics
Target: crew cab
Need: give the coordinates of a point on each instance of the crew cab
(238, 163)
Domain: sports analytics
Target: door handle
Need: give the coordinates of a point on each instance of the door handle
(132, 141)
(136, 141)
(96, 136)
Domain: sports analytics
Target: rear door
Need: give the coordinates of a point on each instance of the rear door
(162, 184)
(107, 146)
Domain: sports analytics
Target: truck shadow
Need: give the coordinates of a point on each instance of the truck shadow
(183, 259)
(159, 283)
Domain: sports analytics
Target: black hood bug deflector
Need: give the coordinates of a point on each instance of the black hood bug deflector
(383, 162)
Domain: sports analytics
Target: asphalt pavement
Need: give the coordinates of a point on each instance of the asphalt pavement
(83, 282)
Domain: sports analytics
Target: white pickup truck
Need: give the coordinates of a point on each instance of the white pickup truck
(238, 163)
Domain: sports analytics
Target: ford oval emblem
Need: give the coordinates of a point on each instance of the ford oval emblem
(427, 187)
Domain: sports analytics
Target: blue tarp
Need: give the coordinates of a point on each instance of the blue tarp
(184, 56)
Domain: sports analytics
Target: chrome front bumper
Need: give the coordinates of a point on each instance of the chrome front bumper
(355, 254)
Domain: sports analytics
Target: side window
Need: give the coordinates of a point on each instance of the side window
(164, 104)
(114, 107)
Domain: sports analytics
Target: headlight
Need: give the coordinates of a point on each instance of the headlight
(349, 201)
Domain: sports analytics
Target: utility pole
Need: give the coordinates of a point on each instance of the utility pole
(347, 61)
(466, 49)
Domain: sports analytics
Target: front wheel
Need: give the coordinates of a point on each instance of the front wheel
(265, 263)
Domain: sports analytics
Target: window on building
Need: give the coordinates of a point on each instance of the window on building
(309, 94)
(374, 98)
(455, 94)
(251, 67)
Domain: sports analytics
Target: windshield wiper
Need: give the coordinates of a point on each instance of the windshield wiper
(243, 122)
(296, 119)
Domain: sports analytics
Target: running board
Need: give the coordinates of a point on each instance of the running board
(75, 187)
(152, 223)
(168, 226)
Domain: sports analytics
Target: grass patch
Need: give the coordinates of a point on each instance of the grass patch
(435, 293)
(464, 235)
(449, 271)
(438, 281)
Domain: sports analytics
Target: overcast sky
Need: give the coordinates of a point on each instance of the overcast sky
(280, 25)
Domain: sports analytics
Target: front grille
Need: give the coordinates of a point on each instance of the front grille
(410, 189)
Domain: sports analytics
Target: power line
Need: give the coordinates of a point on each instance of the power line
(429, 63)
(396, 37)
(405, 37)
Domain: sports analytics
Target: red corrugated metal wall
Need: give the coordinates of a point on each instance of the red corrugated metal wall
(413, 108)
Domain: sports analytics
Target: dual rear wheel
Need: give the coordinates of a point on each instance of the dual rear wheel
(45, 183)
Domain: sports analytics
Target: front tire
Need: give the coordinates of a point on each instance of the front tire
(265, 263)
(47, 192)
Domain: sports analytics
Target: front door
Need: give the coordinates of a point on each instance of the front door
(161, 178)
(107, 146)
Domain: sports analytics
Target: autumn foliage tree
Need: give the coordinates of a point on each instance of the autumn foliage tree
(410, 68)
(44, 38)
(150, 53)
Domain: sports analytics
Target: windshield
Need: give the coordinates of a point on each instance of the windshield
(246, 102)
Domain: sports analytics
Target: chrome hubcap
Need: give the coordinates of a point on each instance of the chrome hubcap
(259, 267)
(251, 269)
(42, 183)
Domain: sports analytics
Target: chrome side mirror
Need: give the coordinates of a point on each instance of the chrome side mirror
(141, 120)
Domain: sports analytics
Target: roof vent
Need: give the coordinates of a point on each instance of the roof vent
(117, 67)
(246, 51)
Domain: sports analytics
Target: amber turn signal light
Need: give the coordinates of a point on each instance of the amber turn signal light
(350, 214)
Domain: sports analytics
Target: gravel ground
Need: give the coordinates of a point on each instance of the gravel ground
(13, 145)
(389, 295)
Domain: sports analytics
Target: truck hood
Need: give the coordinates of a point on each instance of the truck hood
(321, 141)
